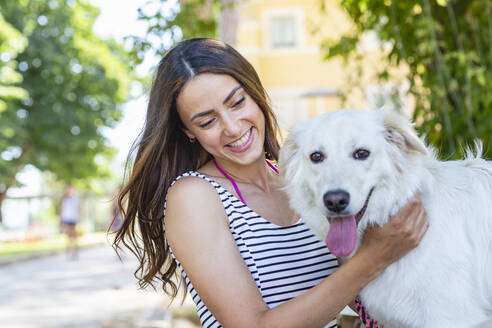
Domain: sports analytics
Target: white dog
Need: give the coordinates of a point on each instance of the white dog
(357, 168)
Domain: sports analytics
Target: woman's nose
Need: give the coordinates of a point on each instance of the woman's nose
(232, 126)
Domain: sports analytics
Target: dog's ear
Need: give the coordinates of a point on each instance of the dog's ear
(400, 132)
(288, 158)
(287, 151)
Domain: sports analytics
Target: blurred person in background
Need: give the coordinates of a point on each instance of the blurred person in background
(70, 209)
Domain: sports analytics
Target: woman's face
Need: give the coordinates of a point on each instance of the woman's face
(218, 112)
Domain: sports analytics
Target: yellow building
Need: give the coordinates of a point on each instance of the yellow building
(282, 38)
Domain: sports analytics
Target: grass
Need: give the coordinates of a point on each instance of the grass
(186, 313)
(58, 242)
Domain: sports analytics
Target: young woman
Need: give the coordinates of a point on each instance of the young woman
(247, 259)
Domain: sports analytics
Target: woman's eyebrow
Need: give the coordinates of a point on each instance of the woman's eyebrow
(207, 112)
(229, 96)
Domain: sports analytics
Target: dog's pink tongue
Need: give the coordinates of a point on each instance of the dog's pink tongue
(342, 235)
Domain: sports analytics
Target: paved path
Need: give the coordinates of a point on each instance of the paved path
(96, 290)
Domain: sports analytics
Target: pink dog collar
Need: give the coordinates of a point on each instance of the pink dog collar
(364, 317)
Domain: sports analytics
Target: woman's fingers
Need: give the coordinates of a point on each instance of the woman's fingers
(401, 233)
(408, 212)
(422, 224)
(416, 222)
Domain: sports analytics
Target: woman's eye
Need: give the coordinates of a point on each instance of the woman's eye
(361, 154)
(317, 157)
(239, 102)
(204, 125)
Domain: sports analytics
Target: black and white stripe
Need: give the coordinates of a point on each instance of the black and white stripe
(283, 261)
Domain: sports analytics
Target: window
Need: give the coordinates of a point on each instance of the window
(283, 31)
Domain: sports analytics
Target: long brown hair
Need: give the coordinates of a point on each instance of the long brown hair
(164, 152)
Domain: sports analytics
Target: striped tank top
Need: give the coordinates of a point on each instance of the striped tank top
(284, 261)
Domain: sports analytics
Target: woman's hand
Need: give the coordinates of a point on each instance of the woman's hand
(398, 236)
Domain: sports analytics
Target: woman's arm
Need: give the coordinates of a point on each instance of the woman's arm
(198, 232)
(381, 247)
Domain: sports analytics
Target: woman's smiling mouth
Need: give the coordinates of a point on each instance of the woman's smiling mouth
(242, 143)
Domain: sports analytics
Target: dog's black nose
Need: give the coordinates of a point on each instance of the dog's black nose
(336, 200)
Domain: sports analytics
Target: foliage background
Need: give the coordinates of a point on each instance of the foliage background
(447, 47)
(168, 25)
(444, 45)
(66, 86)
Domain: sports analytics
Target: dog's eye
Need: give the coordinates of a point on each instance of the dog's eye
(317, 157)
(361, 154)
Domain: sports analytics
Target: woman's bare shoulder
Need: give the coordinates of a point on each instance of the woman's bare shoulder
(191, 199)
(189, 186)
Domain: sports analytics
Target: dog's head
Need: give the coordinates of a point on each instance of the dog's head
(342, 171)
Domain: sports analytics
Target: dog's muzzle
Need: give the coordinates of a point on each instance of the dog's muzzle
(342, 235)
(337, 201)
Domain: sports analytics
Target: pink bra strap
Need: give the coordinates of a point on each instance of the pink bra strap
(231, 180)
(273, 167)
(234, 183)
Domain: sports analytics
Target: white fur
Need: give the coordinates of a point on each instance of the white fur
(447, 280)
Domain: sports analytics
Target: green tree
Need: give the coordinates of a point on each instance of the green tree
(169, 23)
(76, 83)
(447, 45)
(11, 43)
